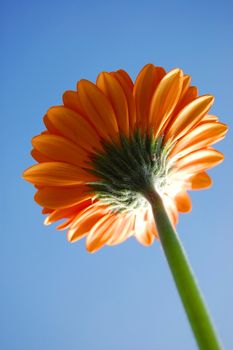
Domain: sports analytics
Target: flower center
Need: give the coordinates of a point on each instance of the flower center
(128, 169)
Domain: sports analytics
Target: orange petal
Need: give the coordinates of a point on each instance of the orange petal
(84, 222)
(210, 118)
(122, 229)
(49, 125)
(145, 236)
(100, 233)
(39, 157)
(60, 197)
(113, 90)
(142, 232)
(199, 161)
(201, 136)
(188, 117)
(63, 213)
(57, 174)
(183, 202)
(71, 100)
(59, 148)
(165, 98)
(66, 224)
(200, 181)
(47, 211)
(171, 209)
(151, 224)
(74, 127)
(185, 86)
(126, 77)
(145, 85)
(127, 85)
(98, 109)
(189, 96)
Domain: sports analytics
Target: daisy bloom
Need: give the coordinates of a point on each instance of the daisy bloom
(111, 142)
(118, 158)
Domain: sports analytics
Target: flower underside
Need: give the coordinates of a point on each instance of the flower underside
(130, 168)
(114, 142)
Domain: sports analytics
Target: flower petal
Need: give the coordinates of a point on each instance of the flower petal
(183, 202)
(165, 98)
(185, 86)
(63, 213)
(57, 174)
(39, 157)
(127, 85)
(126, 77)
(74, 127)
(199, 161)
(209, 118)
(100, 233)
(84, 222)
(113, 90)
(59, 148)
(188, 117)
(145, 85)
(203, 135)
(61, 197)
(71, 100)
(122, 229)
(200, 181)
(142, 232)
(98, 109)
(189, 96)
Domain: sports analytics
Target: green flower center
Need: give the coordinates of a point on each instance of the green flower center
(128, 169)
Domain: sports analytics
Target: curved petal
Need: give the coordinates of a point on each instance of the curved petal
(201, 136)
(58, 148)
(126, 77)
(200, 181)
(74, 127)
(145, 85)
(127, 85)
(171, 209)
(189, 96)
(98, 109)
(113, 90)
(142, 232)
(199, 161)
(71, 100)
(185, 86)
(63, 213)
(84, 222)
(209, 118)
(151, 223)
(100, 233)
(165, 99)
(57, 174)
(145, 236)
(189, 117)
(39, 157)
(61, 197)
(66, 224)
(122, 229)
(183, 202)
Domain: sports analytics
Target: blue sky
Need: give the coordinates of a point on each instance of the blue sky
(55, 295)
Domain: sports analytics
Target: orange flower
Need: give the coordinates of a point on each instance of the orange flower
(111, 141)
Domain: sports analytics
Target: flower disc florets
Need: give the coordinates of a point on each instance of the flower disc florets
(130, 168)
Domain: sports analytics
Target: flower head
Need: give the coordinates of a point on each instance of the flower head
(111, 142)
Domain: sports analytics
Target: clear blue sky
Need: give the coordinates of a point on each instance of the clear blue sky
(55, 295)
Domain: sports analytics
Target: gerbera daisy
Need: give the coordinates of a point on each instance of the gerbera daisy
(117, 159)
(111, 142)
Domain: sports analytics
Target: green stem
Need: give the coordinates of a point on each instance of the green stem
(183, 276)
